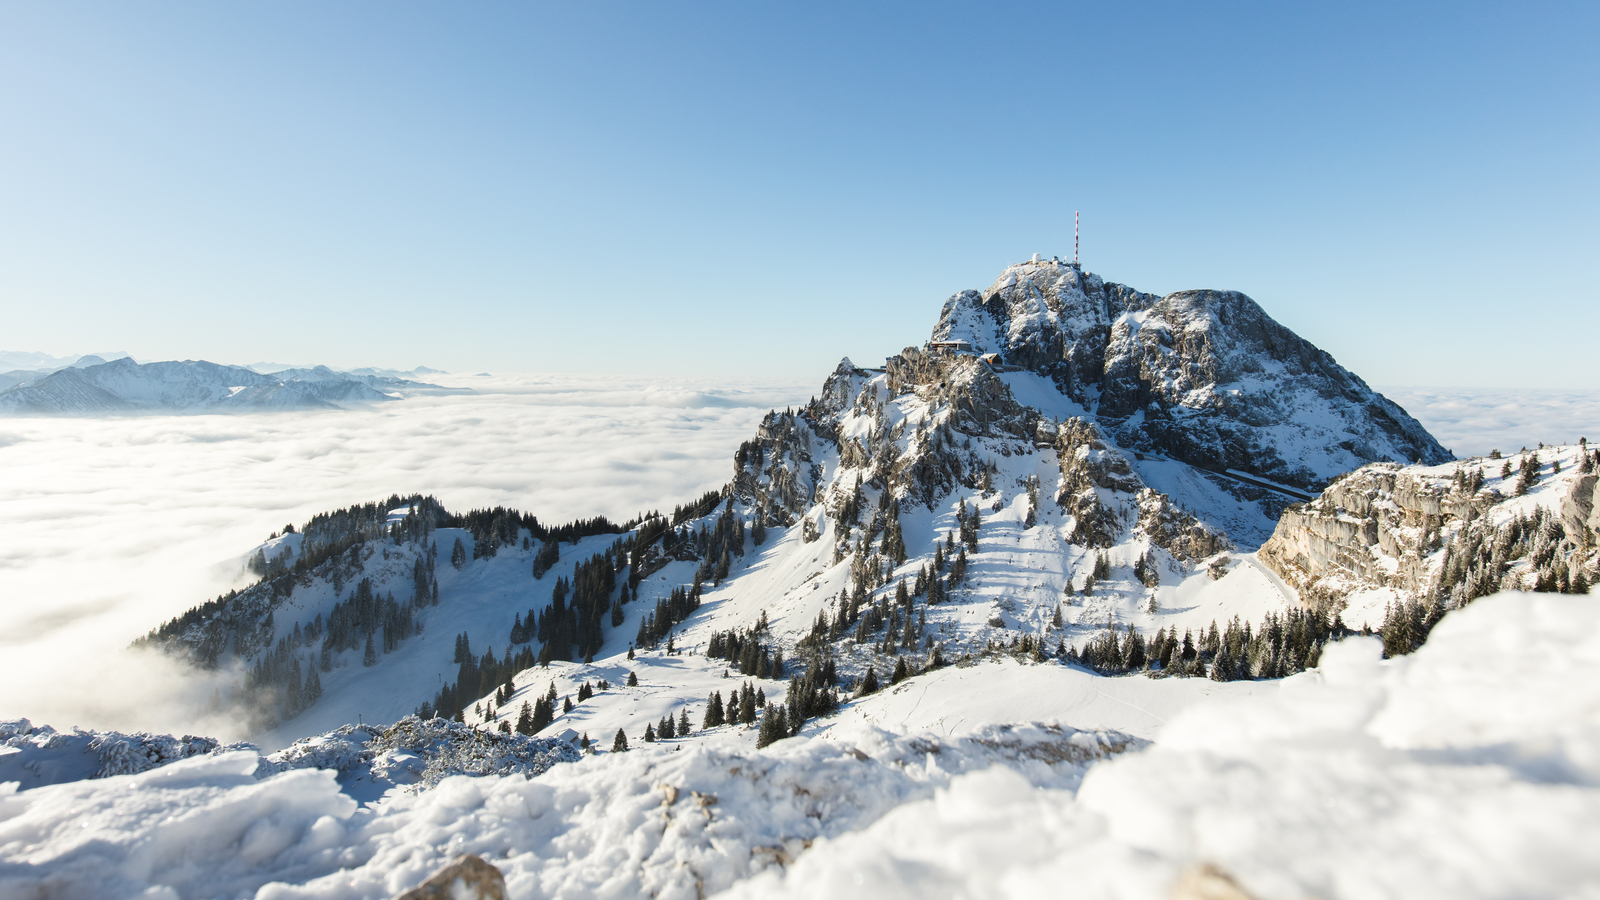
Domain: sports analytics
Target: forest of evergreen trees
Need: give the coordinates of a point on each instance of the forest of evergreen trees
(1281, 646)
(1530, 552)
(477, 677)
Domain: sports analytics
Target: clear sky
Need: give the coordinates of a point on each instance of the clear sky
(761, 188)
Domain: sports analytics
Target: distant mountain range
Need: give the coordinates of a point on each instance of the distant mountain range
(90, 386)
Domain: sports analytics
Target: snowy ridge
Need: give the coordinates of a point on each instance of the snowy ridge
(369, 760)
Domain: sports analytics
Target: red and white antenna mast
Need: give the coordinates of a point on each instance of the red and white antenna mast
(1074, 239)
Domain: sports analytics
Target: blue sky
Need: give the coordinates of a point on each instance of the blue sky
(759, 189)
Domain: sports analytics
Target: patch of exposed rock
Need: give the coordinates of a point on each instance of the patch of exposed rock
(1446, 532)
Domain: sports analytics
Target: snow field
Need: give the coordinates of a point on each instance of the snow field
(1468, 769)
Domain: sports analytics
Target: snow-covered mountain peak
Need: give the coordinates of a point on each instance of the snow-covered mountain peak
(1204, 376)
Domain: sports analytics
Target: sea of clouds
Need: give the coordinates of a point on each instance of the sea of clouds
(108, 526)
(1474, 421)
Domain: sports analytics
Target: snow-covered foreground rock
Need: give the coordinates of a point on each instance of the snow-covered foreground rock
(1470, 768)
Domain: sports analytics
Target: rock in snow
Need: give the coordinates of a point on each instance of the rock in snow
(467, 877)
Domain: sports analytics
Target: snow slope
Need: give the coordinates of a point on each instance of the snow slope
(1465, 770)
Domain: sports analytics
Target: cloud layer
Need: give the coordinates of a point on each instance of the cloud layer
(1473, 421)
(109, 526)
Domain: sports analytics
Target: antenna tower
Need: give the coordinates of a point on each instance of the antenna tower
(1074, 239)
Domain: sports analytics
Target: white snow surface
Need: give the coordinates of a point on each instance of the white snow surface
(1468, 769)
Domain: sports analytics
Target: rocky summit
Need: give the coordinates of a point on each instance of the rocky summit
(1204, 376)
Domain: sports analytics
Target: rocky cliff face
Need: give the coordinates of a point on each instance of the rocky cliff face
(1445, 534)
(1206, 377)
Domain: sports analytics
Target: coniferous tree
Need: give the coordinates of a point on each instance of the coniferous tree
(869, 683)
(370, 656)
(458, 554)
(313, 689)
(619, 744)
(633, 680)
(901, 671)
(774, 726)
(649, 733)
(525, 719)
(969, 530)
(1134, 656)
(683, 722)
(713, 711)
(747, 705)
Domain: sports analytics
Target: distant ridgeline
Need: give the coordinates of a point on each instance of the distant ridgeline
(94, 387)
(345, 565)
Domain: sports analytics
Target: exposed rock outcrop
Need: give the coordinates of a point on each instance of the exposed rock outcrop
(1444, 533)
